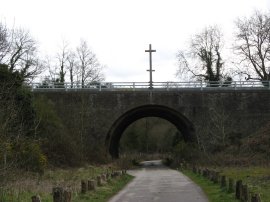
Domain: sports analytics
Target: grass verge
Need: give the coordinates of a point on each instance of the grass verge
(21, 186)
(105, 192)
(213, 191)
(257, 179)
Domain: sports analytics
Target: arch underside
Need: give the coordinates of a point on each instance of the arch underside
(171, 115)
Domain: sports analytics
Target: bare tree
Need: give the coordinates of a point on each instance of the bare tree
(253, 45)
(89, 68)
(4, 41)
(203, 59)
(23, 54)
(71, 66)
(18, 50)
(62, 58)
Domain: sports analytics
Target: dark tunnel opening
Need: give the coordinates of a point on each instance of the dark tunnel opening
(119, 126)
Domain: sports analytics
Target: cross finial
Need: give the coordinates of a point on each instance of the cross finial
(150, 63)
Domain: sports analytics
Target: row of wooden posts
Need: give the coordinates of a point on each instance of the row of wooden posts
(241, 190)
(61, 194)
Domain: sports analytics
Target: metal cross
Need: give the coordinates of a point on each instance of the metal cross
(150, 63)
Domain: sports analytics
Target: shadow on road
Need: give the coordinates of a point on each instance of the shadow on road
(153, 164)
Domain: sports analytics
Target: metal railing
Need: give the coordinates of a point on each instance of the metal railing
(144, 86)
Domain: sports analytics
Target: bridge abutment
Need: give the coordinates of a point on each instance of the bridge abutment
(101, 117)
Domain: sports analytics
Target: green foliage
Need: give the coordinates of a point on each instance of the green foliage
(9, 78)
(30, 156)
(167, 161)
(17, 113)
(57, 142)
(149, 135)
(19, 148)
(185, 151)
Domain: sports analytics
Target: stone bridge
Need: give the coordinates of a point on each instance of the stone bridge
(196, 114)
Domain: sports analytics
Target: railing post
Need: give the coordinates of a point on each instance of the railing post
(234, 85)
(99, 86)
(133, 86)
(201, 85)
(167, 86)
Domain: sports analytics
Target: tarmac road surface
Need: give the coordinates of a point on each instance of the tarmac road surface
(155, 182)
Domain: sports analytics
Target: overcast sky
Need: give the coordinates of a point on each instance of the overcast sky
(119, 31)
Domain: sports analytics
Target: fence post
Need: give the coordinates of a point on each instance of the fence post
(83, 187)
(58, 194)
(231, 185)
(216, 177)
(194, 169)
(36, 198)
(199, 171)
(133, 86)
(91, 185)
(108, 176)
(245, 193)
(99, 181)
(223, 181)
(103, 177)
(238, 189)
(255, 198)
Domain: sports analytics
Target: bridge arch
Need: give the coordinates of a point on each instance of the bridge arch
(171, 115)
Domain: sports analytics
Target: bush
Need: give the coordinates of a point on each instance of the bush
(60, 147)
(186, 151)
(30, 156)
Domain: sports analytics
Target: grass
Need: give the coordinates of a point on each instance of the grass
(213, 191)
(22, 186)
(257, 179)
(105, 192)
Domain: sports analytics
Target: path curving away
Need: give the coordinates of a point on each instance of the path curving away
(155, 182)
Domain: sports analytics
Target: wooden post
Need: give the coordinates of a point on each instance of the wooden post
(194, 169)
(223, 181)
(67, 195)
(255, 198)
(36, 198)
(210, 175)
(99, 181)
(103, 178)
(238, 189)
(83, 187)
(57, 194)
(108, 176)
(113, 175)
(231, 185)
(91, 185)
(205, 173)
(181, 166)
(216, 177)
(117, 173)
(245, 193)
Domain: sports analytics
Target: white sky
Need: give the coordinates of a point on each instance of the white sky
(119, 31)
